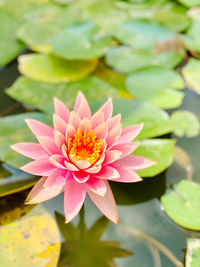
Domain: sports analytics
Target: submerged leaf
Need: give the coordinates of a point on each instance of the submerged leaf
(182, 204)
(49, 68)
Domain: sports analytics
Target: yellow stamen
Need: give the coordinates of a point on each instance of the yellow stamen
(85, 146)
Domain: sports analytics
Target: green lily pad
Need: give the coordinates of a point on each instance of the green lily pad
(159, 150)
(13, 129)
(185, 123)
(156, 85)
(156, 121)
(143, 34)
(193, 252)
(191, 38)
(34, 241)
(173, 16)
(44, 23)
(40, 95)
(191, 73)
(49, 68)
(190, 3)
(81, 41)
(126, 59)
(10, 47)
(182, 204)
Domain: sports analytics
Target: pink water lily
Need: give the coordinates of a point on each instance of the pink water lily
(80, 154)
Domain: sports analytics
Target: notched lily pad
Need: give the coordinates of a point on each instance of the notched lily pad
(193, 252)
(159, 150)
(185, 123)
(81, 41)
(49, 68)
(182, 204)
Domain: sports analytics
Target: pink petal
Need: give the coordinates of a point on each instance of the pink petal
(30, 150)
(100, 160)
(127, 175)
(105, 204)
(94, 169)
(97, 118)
(79, 99)
(97, 186)
(64, 151)
(107, 172)
(59, 124)
(115, 121)
(85, 125)
(129, 133)
(101, 131)
(57, 177)
(113, 136)
(61, 109)
(39, 128)
(126, 148)
(40, 193)
(134, 162)
(74, 120)
(107, 109)
(58, 161)
(48, 144)
(70, 131)
(111, 156)
(81, 177)
(70, 166)
(83, 164)
(73, 199)
(59, 139)
(41, 167)
(83, 110)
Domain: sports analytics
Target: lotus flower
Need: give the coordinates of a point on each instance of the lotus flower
(80, 154)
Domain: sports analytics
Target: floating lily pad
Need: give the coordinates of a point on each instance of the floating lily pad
(159, 150)
(155, 85)
(182, 204)
(13, 129)
(32, 240)
(44, 23)
(193, 252)
(81, 41)
(143, 34)
(174, 16)
(10, 47)
(185, 123)
(190, 3)
(156, 121)
(192, 37)
(40, 95)
(126, 59)
(49, 68)
(191, 73)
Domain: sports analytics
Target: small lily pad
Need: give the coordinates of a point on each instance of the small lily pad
(191, 38)
(159, 150)
(190, 3)
(32, 240)
(156, 85)
(126, 59)
(191, 73)
(81, 41)
(40, 94)
(49, 68)
(182, 204)
(193, 252)
(10, 47)
(143, 34)
(13, 129)
(185, 123)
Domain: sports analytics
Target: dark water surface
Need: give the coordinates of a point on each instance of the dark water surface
(142, 220)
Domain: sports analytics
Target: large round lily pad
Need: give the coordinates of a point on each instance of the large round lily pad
(182, 204)
(49, 68)
(185, 123)
(81, 41)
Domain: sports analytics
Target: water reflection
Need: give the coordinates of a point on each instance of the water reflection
(83, 246)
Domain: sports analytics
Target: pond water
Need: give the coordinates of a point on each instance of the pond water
(144, 237)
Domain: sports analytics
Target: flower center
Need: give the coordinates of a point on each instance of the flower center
(85, 147)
